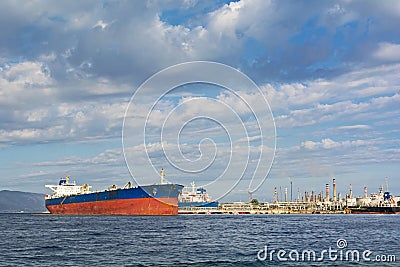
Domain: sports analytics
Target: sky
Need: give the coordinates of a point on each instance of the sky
(327, 93)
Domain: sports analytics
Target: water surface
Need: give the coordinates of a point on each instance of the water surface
(191, 240)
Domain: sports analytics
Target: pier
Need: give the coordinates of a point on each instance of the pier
(237, 208)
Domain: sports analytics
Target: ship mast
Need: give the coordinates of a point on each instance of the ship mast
(387, 184)
(162, 176)
(193, 187)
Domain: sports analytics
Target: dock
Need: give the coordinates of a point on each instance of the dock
(237, 208)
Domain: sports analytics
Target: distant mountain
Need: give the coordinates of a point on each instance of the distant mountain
(16, 201)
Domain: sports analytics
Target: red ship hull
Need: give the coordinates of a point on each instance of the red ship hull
(134, 206)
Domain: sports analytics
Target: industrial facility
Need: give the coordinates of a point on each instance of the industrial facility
(310, 203)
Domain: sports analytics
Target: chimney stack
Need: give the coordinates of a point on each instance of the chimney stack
(327, 192)
(334, 190)
(286, 195)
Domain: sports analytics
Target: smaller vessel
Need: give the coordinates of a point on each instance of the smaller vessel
(196, 198)
(377, 203)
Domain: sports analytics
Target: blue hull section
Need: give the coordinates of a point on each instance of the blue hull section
(148, 191)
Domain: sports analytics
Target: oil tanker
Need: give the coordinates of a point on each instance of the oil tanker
(72, 199)
(377, 203)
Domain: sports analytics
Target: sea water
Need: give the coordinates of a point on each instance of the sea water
(199, 240)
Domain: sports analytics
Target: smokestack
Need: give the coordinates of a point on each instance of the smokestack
(327, 192)
(334, 190)
(298, 194)
(286, 196)
(351, 191)
(365, 192)
(291, 191)
(275, 195)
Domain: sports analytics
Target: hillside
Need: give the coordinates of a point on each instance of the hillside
(15, 201)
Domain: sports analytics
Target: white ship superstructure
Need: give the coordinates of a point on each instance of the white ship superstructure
(66, 188)
(194, 195)
(196, 198)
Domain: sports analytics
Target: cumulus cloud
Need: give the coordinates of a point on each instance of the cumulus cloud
(67, 71)
(387, 52)
(367, 94)
(26, 83)
(328, 143)
(131, 40)
(374, 109)
(362, 83)
(355, 127)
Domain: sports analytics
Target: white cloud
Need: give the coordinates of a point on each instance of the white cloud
(27, 73)
(355, 127)
(102, 25)
(26, 84)
(387, 52)
(37, 108)
(363, 83)
(79, 63)
(110, 157)
(328, 143)
(136, 39)
(36, 115)
(309, 144)
(367, 94)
